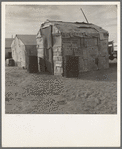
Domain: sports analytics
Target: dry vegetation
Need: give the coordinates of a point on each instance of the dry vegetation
(92, 93)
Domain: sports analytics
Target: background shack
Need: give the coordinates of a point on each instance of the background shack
(24, 52)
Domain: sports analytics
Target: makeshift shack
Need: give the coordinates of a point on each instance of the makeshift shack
(24, 52)
(8, 53)
(67, 48)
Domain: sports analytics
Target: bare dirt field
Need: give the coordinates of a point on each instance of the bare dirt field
(92, 93)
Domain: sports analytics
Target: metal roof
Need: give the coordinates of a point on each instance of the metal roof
(8, 42)
(27, 39)
(76, 27)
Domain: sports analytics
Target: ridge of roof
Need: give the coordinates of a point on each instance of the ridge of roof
(66, 22)
(52, 21)
(74, 25)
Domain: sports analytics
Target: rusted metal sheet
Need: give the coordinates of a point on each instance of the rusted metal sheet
(47, 37)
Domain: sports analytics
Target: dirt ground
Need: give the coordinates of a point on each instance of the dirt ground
(92, 93)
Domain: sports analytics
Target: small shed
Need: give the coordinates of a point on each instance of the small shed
(8, 53)
(24, 52)
(70, 48)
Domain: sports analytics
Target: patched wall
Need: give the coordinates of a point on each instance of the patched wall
(89, 45)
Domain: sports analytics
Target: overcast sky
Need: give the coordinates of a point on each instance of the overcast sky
(26, 19)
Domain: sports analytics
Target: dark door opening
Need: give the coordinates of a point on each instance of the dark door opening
(49, 61)
(33, 64)
(9, 55)
(72, 66)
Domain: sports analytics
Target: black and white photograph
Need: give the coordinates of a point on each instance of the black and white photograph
(61, 60)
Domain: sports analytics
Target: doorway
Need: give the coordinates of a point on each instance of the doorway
(72, 66)
(32, 64)
(9, 55)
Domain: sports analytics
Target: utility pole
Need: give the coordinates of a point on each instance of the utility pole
(84, 15)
